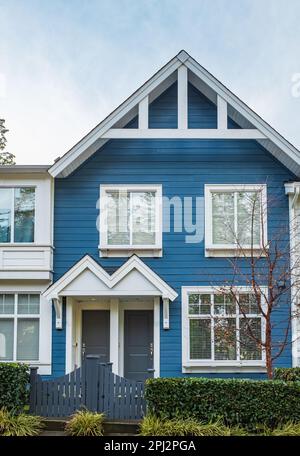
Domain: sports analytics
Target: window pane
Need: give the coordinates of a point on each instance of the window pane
(28, 304)
(199, 304)
(6, 339)
(225, 338)
(224, 305)
(5, 214)
(7, 304)
(143, 218)
(24, 214)
(118, 218)
(249, 347)
(200, 339)
(248, 304)
(28, 340)
(223, 218)
(248, 217)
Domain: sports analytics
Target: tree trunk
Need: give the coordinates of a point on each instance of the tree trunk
(268, 349)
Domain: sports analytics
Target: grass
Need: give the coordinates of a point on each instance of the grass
(153, 426)
(85, 423)
(19, 425)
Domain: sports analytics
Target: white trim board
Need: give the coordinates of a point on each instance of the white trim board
(134, 263)
(278, 146)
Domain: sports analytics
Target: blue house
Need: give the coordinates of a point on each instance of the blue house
(132, 237)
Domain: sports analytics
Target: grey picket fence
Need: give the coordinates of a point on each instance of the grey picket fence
(93, 386)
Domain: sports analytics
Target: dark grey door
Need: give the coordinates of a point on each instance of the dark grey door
(95, 334)
(138, 344)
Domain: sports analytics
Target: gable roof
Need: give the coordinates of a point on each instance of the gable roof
(110, 282)
(204, 81)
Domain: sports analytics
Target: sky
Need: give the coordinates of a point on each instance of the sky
(66, 64)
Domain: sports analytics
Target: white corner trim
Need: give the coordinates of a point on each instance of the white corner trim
(110, 281)
(221, 250)
(156, 336)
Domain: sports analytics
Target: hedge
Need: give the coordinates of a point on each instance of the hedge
(237, 402)
(287, 374)
(14, 378)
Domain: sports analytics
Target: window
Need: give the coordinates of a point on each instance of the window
(17, 214)
(235, 216)
(130, 217)
(19, 327)
(221, 329)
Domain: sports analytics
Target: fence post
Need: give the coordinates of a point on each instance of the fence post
(92, 362)
(109, 366)
(32, 390)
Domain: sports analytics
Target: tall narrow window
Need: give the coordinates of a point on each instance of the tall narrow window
(17, 214)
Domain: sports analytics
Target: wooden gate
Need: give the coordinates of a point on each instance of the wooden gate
(93, 386)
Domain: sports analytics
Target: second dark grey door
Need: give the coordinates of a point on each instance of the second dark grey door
(138, 344)
(95, 334)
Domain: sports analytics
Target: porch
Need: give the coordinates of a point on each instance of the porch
(115, 317)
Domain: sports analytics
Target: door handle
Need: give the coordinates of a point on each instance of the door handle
(83, 349)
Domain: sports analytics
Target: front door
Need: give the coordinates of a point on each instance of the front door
(138, 344)
(95, 334)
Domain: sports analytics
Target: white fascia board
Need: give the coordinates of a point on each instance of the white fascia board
(110, 280)
(240, 106)
(107, 123)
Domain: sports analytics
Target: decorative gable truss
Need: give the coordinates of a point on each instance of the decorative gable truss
(87, 278)
(183, 69)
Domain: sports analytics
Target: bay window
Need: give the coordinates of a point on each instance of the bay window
(220, 329)
(130, 217)
(17, 214)
(235, 217)
(19, 327)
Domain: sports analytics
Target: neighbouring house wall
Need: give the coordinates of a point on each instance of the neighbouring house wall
(182, 167)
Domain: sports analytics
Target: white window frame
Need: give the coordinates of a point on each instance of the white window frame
(12, 208)
(192, 365)
(222, 250)
(15, 316)
(127, 250)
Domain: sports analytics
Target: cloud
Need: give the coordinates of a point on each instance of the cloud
(67, 64)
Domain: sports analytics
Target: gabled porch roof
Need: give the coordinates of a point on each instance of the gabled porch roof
(88, 278)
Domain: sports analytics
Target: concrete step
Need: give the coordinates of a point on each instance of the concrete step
(112, 427)
(53, 434)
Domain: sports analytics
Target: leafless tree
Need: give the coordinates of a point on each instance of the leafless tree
(269, 267)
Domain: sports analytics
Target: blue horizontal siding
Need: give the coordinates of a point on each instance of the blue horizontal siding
(183, 167)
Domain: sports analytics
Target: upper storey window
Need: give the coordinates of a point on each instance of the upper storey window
(235, 218)
(130, 218)
(17, 214)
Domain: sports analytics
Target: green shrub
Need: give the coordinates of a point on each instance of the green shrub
(245, 403)
(154, 426)
(14, 378)
(287, 374)
(85, 423)
(19, 425)
(287, 429)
